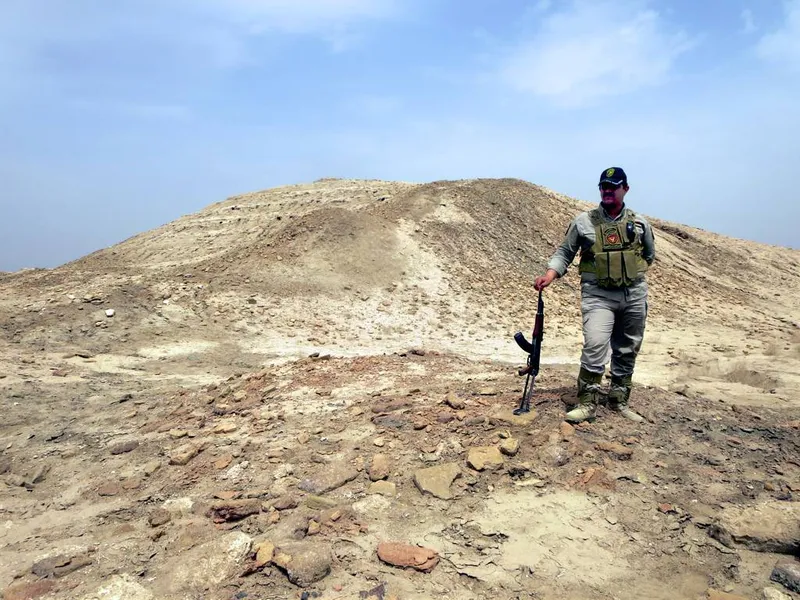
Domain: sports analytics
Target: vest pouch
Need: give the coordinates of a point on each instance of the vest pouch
(609, 269)
(631, 266)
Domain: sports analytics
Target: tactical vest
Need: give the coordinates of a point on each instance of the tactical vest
(616, 255)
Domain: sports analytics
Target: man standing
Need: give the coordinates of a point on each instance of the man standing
(617, 247)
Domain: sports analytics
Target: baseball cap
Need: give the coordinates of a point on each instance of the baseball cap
(614, 175)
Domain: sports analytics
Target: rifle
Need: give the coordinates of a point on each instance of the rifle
(534, 350)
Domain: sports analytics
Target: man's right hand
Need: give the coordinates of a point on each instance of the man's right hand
(542, 282)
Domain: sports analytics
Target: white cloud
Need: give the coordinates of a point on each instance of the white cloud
(748, 24)
(783, 45)
(581, 54)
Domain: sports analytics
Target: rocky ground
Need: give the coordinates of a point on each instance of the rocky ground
(189, 418)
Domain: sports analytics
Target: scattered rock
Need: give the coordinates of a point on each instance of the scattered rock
(508, 416)
(774, 594)
(29, 591)
(181, 456)
(151, 467)
(437, 480)
(567, 430)
(334, 476)
(223, 462)
(285, 502)
(616, 450)
(226, 427)
(379, 467)
(405, 555)
(121, 587)
(384, 488)
(510, 446)
(194, 572)
(455, 402)
(264, 553)
(58, 566)
(485, 457)
(787, 573)
(768, 527)
(319, 503)
(159, 517)
(124, 447)
(179, 507)
(304, 563)
(234, 510)
(109, 489)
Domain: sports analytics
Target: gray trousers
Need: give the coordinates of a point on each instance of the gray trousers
(613, 328)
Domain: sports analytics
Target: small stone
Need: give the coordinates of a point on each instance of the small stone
(124, 447)
(223, 462)
(159, 517)
(437, 480)
(334, 476)
(485, 457)
(407, 556)
(455, 402)
(181, 456)
(567, 430)
(379, 467)
(285, 502)
(304, 563)
(787, 573)
(303, 438)
(419, 424)
(110, 312)
(444, 418)
(768, 527)
(616, 449)
(264, 553)
(313, 527)
(510, 446)
(384, 488)
(109, 489)
(151, 467)
(234, 510)
(226, 427)
(379, 442)
(177, 434)
(508, 416)
(774, 594)
(319, 503)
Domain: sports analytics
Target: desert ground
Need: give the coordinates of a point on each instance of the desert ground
(307, 392)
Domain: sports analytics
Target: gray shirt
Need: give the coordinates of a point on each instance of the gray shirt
(581, 236)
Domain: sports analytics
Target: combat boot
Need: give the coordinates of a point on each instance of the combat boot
(589, 394)
(618, 396)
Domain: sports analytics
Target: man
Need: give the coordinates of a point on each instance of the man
(617, 247)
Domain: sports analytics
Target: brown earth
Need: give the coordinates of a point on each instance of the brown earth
(216, 436)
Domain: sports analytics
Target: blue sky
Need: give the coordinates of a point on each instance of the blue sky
(118, 117)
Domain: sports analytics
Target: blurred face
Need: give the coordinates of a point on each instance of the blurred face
(611, 195)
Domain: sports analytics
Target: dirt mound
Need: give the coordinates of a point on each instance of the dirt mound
(308, 390)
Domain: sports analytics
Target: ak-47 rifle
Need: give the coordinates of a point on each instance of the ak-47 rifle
(534, 350)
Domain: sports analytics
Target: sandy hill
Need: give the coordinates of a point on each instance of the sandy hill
(252, 400)
(364, 265)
